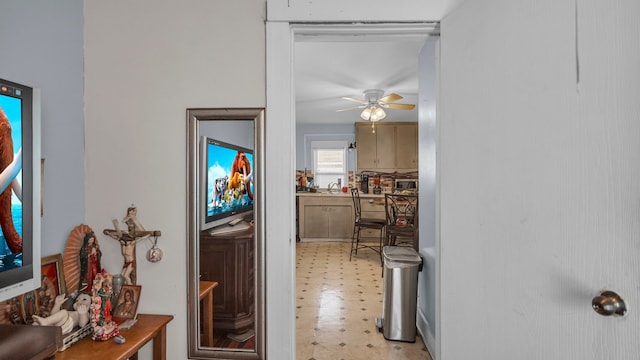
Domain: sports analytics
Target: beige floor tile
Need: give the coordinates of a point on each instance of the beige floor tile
(337, 303)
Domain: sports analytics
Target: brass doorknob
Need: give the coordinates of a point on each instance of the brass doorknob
(609, 303)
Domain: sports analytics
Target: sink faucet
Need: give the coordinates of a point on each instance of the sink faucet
(331, 186)
(337, 185)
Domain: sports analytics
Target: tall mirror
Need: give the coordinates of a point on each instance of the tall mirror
(225, 232)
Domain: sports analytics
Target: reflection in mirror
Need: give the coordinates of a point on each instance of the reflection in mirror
(225, 233)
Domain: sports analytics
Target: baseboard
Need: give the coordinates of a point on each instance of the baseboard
(423, 328)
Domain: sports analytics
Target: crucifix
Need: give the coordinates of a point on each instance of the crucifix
(135, 231)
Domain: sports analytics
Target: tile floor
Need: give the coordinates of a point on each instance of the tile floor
(337, 303)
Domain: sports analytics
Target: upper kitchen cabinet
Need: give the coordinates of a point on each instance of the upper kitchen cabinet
(393, 147)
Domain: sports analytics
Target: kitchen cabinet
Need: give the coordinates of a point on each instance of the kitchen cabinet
(325, 217)
(393, 147)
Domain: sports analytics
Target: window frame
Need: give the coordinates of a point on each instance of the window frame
(329, 145)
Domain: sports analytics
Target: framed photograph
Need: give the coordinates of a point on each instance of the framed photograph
(51, 268)
(127, 303)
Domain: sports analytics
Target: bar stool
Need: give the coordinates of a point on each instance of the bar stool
(402, 220)
(360, 223)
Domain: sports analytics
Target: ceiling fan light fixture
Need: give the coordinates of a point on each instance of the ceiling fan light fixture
(373, 113)
(374, 102)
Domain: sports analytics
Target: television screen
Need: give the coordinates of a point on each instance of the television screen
(229, 185)
(19, 195)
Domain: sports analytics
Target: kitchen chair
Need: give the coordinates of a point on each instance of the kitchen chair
(401, 211)
(360, 223)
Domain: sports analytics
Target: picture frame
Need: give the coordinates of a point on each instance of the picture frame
(51, 269)
(20, 309)
(126, 306)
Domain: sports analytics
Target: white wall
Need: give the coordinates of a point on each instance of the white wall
(427, 140)
(146, 62)
(41, 44)
(538, 169)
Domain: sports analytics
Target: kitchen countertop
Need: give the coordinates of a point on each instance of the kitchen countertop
(337, 194)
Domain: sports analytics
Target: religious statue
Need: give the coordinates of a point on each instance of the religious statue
(90, 256)
(104, 327)
(135, 232)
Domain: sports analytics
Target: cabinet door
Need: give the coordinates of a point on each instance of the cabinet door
(216, 264)
(365, 147)
(340, 222)
(407, 147)
(385, 147)
(316, 222)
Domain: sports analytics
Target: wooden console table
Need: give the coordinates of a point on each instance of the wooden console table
(147, 328)
(206, 297)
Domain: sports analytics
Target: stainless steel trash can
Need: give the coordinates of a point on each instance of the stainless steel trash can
(400, 292)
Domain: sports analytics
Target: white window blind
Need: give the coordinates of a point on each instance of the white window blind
(329, 162)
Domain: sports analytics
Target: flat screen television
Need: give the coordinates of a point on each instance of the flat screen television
(19, 189)
(227, 186)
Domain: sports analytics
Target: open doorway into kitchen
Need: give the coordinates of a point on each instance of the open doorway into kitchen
(334, 61)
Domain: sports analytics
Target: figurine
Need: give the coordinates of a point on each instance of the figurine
(90, 256)
(68, 320)
(104, 327)
(135, 232)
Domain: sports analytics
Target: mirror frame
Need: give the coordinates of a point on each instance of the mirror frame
(194, 117)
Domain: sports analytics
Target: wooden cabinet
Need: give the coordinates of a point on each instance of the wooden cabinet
(393, 147)
(325, 217)
(229, 260)
(406, 147)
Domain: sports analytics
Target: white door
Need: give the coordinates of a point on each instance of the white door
(539, 179)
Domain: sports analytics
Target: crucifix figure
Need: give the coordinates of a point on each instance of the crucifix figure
(135, 231)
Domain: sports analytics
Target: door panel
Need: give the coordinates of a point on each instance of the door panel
(539, 184)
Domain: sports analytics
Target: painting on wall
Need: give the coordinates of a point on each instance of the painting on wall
(20, 309)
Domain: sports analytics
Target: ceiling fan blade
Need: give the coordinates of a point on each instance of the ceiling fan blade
(360, 101)
(390, 98)
(399, 106)
(353, 107)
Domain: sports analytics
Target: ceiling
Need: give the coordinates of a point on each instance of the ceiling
(325, 71)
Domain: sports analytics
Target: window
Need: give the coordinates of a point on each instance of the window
(329, 162)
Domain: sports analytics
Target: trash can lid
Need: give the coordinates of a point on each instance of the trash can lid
(401, 254)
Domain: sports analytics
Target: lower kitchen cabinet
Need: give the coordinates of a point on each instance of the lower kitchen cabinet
(325, 217)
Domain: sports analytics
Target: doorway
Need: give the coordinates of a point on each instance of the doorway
(281, 105)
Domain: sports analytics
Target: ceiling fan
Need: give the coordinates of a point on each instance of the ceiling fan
(374, 102)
